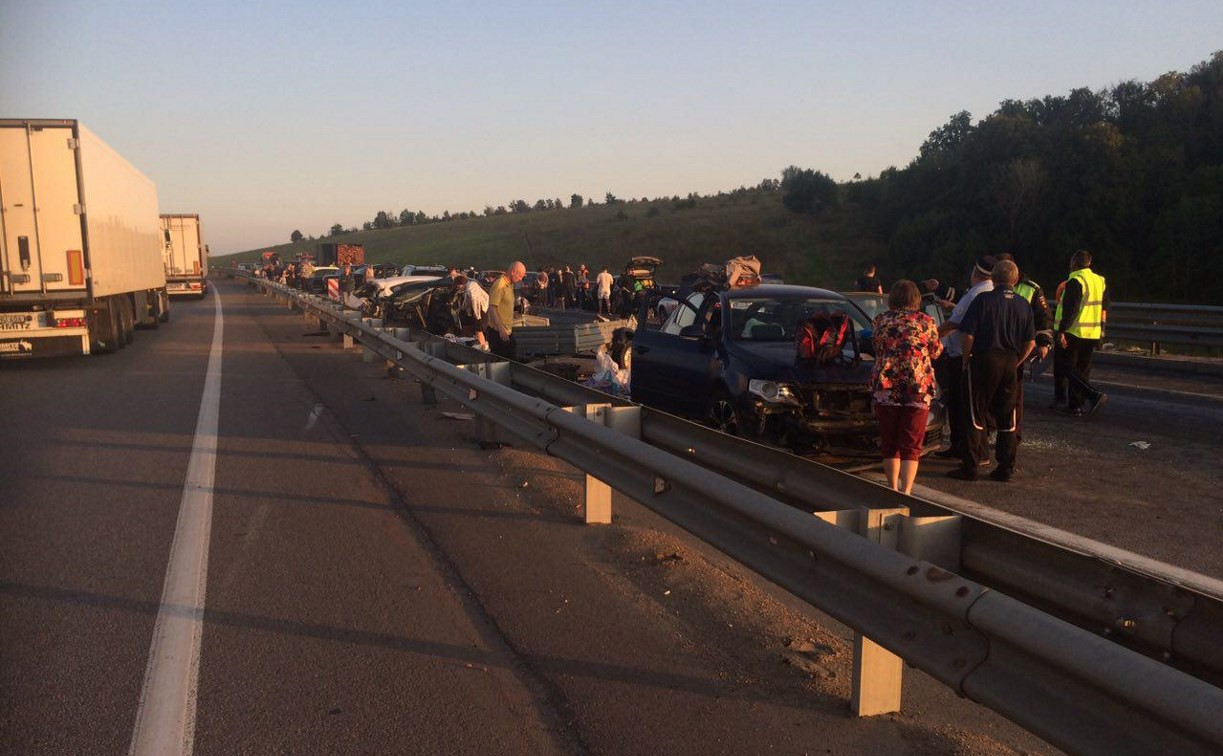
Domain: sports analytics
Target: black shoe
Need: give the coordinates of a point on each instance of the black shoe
(947, 454)
(1097, 404)
(961, 473)
(1002, 474)
(1070, 411)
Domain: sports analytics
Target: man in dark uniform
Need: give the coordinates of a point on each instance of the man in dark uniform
(999, 334)
(1042, 320)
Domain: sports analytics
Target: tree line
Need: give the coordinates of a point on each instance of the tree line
(1133, 173)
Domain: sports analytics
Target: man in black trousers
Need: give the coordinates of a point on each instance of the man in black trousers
(999, 334)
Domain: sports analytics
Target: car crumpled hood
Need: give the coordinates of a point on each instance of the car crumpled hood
(776, 360)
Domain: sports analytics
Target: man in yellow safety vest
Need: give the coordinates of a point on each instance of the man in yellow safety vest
(1079, 325)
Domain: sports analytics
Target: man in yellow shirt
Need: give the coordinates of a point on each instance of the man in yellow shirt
(501, 311)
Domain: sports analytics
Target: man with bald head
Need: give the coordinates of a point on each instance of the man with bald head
(501, 311)
(999, 334)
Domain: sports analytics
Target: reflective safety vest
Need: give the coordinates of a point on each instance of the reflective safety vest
(1026, 289)
(1089, 322)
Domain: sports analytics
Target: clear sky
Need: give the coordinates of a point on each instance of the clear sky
(264, 117)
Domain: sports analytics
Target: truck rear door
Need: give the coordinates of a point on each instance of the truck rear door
(40, 201)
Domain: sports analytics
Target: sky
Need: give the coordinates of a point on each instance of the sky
(265, 117)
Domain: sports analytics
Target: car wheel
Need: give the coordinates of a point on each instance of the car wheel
(722, 414)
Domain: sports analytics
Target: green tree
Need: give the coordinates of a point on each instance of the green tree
(575, 200)
(336, 230)
(807, 191)
(406, 217)
(296, 236)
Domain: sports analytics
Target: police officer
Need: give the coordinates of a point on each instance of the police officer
(1079, 322)
(1041, 320)
(998, 335)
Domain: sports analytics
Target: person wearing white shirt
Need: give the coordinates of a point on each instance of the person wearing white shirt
(949, 368)
(604, 282)
(474, 306)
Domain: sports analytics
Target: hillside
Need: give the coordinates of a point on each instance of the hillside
(823, 251)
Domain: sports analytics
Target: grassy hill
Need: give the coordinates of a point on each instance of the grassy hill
(821, 251)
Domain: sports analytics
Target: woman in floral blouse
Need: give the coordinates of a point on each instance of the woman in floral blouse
(906, 342)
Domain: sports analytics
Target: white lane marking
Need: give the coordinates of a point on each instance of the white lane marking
(165, 719)
(313, 417)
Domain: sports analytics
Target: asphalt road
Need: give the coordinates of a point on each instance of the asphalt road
(376, 583)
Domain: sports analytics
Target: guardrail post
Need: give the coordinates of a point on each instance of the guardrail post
(488, 434)
(598, 500)
(877, 672)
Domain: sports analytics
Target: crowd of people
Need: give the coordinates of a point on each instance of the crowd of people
(999, 327)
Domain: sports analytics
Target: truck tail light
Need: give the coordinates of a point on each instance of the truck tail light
(68, 322)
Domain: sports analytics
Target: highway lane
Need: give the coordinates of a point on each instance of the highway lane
(94, 454)
(328, 627)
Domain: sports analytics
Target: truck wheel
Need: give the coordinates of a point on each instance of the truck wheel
(105, 329)
(128, 320)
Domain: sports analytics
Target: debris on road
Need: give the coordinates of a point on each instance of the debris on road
(1141, 445)
(458, 416)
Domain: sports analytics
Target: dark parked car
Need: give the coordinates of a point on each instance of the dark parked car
(729, 357)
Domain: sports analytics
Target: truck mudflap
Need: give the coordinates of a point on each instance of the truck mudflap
(195, 288)
(24, 335)
(52, 343)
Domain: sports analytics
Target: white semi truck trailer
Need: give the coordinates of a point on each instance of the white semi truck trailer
(185, 256)
(80, 243)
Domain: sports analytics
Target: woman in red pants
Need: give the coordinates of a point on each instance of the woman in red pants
(906, 343)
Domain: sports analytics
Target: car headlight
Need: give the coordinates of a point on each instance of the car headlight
(772, 391)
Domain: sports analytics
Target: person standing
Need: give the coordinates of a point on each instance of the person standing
(1079, 322)
(950, 367)
(1042, 321)
(499, 331)
(604, 281)
(902, 382)
(583, 286)
(554, 286)
(569, 285)
(998, 335)
(869, 281)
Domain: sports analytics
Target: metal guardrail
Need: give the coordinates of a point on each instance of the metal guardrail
(1165, 324)
(1003, 632)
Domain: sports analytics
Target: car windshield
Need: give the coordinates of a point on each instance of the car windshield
(777, 319)
(873, 304)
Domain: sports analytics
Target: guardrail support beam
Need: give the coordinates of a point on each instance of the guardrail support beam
(488, 433)
(877, 672)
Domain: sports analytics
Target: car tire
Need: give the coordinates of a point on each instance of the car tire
(722, 414)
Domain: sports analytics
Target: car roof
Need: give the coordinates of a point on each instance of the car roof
(783, 291)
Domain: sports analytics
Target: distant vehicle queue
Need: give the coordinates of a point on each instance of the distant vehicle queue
(85, 256)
